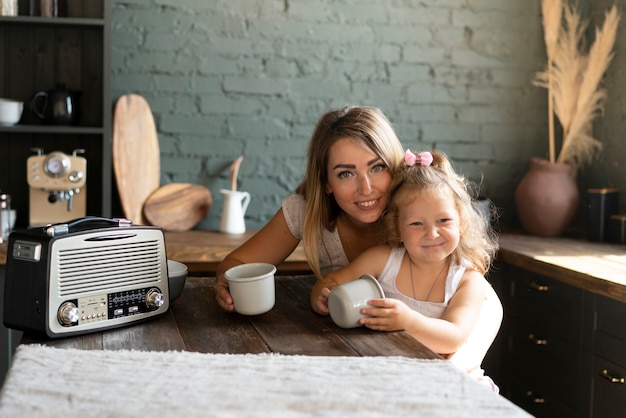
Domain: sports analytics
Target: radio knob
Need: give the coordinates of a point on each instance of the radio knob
(68, 314)
(154, 298)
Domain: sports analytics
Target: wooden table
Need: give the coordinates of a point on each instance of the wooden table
(196, 323)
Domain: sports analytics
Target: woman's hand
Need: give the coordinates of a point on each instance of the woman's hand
(320, 304)
(222, 294)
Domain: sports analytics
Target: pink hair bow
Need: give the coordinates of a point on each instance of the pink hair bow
(423, 158)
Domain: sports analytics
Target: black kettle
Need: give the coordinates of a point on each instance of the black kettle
(56, 107)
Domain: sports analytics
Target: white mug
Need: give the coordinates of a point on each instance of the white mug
(346, 301)
(235, 205)
(8, 8)
(252, 287)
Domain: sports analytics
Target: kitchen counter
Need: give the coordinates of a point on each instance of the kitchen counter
(597, 267)
(202, 250)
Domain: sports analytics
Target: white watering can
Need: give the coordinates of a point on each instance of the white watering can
(235, 205)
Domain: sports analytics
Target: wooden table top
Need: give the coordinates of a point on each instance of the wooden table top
(195, 322)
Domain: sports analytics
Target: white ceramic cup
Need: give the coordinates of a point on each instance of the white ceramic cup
(10, 111)
(252, 287)
(346, 301)
(8, 7)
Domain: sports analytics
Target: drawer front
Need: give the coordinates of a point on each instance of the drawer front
(539, 353)
(610, 332)
(609, 388)
(549, 304)
(537, 401)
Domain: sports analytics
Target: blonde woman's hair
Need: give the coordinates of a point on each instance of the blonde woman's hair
(365, 124)
(478, 241)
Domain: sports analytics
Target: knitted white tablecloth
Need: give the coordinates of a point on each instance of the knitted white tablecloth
(45, 381)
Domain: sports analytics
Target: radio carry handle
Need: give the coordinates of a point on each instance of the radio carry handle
(87, 222)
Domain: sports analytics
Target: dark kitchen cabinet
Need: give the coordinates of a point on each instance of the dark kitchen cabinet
(36, 54)
(608, 357)
(542, 360)
(562, 348)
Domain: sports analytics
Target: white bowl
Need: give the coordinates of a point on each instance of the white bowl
(10, 111)
(176, 275)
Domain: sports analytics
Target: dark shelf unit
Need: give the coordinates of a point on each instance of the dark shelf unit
(37, 54)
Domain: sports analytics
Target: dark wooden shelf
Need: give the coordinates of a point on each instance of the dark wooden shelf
(61, 21)
(53, 129)
(37, 54)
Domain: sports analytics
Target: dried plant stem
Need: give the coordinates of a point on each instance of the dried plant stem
(551, 11)
(551, 118)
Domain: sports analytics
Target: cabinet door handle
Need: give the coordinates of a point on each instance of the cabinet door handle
(535, 398)
(605, 373)
(539, 287)
(537, 341)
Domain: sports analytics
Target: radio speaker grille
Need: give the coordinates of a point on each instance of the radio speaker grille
(114, 266)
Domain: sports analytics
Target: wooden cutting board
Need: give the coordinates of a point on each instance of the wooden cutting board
(136, 155)
(178, 206)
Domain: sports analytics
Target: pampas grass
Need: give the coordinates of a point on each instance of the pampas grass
(551, 12)
(573, 78)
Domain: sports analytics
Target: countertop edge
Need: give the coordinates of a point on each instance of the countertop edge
(602, 282)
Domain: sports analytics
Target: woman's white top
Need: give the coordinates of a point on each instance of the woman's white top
(330, 251)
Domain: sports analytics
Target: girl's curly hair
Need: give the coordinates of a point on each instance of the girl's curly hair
(478, 241)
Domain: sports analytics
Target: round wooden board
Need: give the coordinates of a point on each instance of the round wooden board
(136, 155)
(177, 206)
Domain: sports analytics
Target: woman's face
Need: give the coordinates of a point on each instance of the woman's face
(358, 179)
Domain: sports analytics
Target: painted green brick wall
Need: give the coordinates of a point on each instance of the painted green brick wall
(251, 77)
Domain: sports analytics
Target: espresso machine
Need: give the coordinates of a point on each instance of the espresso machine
(58, 186)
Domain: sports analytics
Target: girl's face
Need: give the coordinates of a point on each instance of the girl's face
(429, 226)
(358, 179)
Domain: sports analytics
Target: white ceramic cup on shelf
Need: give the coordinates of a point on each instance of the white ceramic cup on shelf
(8, 7)
(252, 287)
(346, 301)
(10, 111)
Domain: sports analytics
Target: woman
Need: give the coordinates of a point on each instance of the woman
(336, 209)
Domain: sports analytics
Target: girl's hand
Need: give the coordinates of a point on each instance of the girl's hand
(387, 315)
(320, 305)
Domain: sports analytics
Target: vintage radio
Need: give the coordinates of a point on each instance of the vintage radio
(86, 275)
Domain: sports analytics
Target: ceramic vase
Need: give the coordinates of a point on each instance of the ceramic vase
(546, 198)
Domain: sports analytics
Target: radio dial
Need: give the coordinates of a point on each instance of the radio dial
(154, 298)
(68, 314)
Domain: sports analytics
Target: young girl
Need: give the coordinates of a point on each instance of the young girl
(439, 248)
